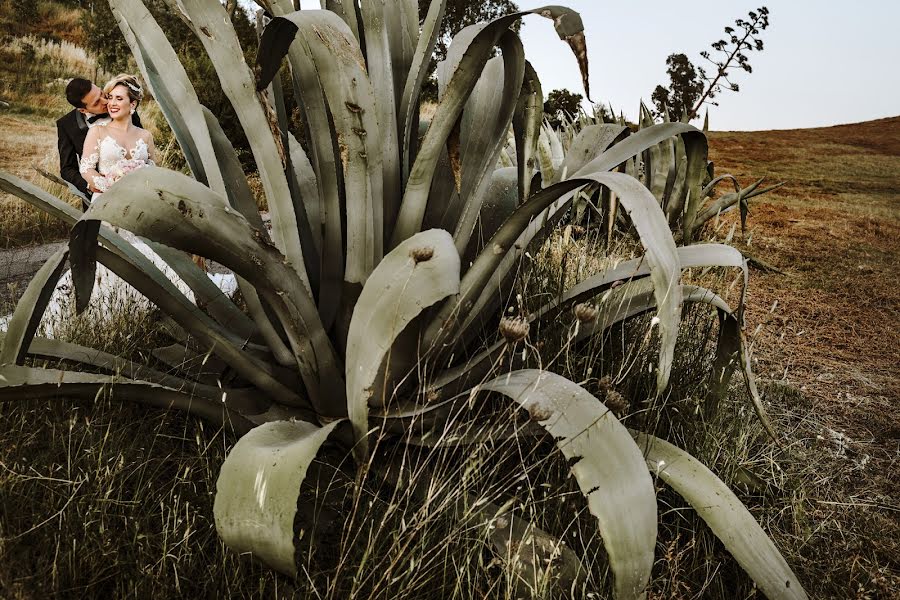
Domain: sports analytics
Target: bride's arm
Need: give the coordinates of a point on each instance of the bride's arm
(90, 158)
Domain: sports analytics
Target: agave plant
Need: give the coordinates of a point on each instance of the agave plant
(362, 320)
(666, 169)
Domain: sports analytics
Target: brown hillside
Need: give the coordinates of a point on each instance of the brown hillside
(829, 326)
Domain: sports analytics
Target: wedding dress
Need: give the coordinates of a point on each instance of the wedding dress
(111, 294)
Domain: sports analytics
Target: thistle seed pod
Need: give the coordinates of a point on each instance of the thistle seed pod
(514, 329)
(616, 402)
(586, 313)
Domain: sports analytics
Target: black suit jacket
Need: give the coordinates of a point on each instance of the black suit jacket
(71, 131)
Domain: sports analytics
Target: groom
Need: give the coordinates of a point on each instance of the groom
(90, 107)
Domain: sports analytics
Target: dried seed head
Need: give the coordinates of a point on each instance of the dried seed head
(514, 329)
(423, 254)
(616, 402)
(586, 313)
(605, 384)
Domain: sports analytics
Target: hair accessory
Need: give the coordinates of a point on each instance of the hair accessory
(134, 88)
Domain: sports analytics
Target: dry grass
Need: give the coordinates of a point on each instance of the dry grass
(26, 141)
(827, 339)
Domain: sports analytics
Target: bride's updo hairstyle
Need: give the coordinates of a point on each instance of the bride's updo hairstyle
(135, 91)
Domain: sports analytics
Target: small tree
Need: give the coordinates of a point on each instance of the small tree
(690, 87)
(561, 104)
(685, 87)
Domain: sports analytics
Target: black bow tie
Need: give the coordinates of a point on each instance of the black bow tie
(93, 119)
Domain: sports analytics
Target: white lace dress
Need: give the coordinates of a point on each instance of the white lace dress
(112, 297)
(113, 161)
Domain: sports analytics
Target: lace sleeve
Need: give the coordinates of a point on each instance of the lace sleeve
(88, 163)
(90, 156)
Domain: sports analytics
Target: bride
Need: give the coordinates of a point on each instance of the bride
(113, 148)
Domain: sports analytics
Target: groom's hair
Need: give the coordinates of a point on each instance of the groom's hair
(77, 89)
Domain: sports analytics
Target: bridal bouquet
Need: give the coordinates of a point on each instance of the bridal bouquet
(123, 168)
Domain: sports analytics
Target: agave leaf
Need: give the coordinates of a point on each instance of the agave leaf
(175, 210)
(299, 195)
(419, 272)
(30, 308)
(345, 9)
(607, 468)
(171, 88)
(627, 303)
(240, 197)
(360, 137)
(545, 156)
(651, 225)
(500, 200)
(69, 215)
(465, 60)
(275, 42)
(27, 383)
(257, 489)
(409, 104)
(527, 129)
(307, 192)
(675, 195)
(208, 294)
(589, 143)
(211, 25)
(484, 124)
(202, 328)
(116, 365)
(725, 514)
(138, 262)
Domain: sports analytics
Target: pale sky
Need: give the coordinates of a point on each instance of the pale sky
(824, 63)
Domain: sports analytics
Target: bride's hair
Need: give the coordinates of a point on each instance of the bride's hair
(135, 91)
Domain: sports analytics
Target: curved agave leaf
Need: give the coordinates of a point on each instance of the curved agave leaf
(409, 104)
(323, 153)
(483, 129)
(360, 138)
(178, 211)
(633, 298)
(171, 88)
(391, 34)
(651, 225)
(500, 200)
(211, 25)
(608, 468)
(725, 514)
(26, 383)
(193, 321)
(466, 64)
(419, 272)
(116, 365)
(257, 489)
(527, 129)
(69, 215)
(30, 308)
(590, 142)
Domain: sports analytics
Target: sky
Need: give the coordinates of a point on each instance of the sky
(824, 63)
